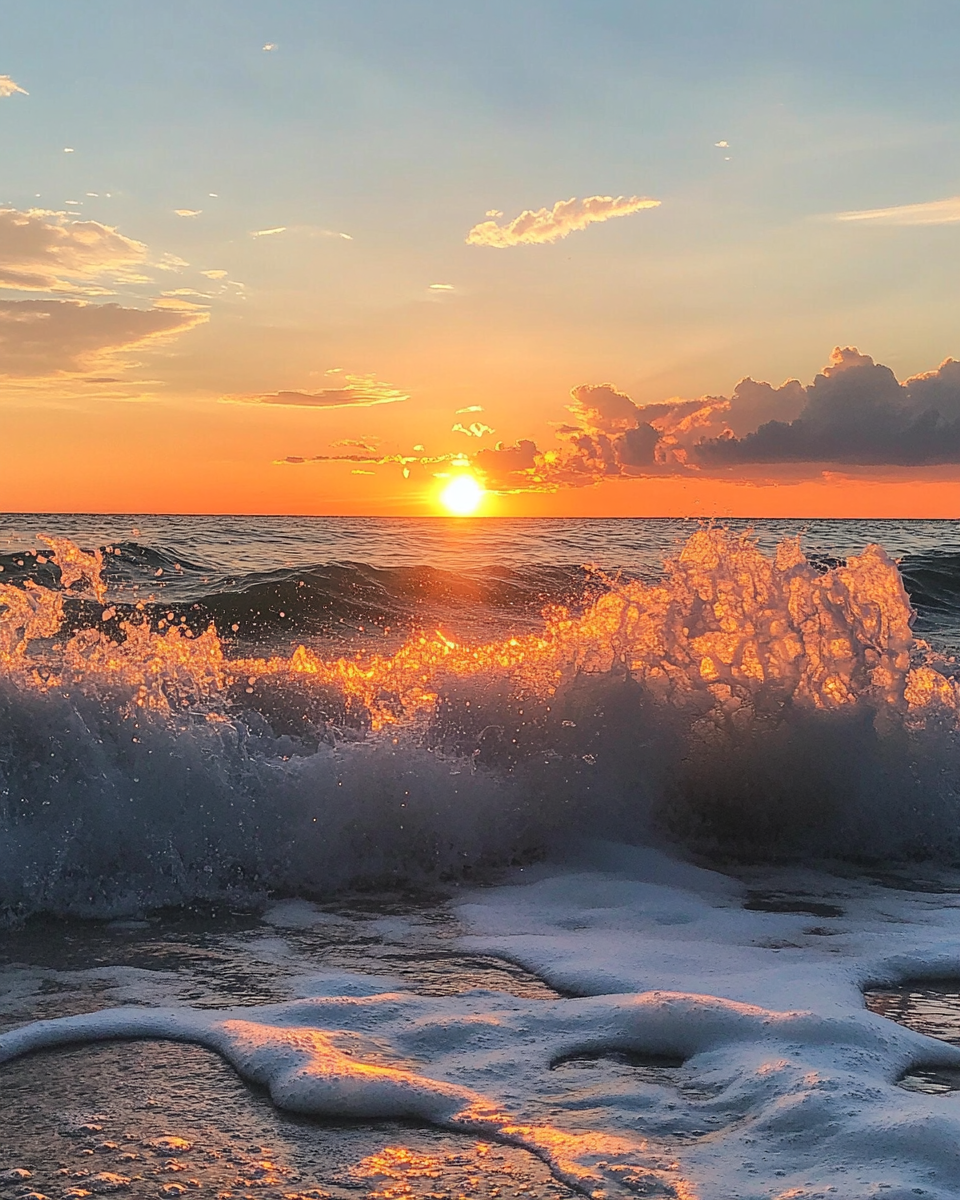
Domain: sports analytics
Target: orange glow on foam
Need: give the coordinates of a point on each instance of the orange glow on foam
(724, 626)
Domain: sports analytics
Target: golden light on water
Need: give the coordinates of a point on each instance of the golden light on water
(462, 496)
(727, 630)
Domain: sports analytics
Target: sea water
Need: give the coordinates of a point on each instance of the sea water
(477, 857)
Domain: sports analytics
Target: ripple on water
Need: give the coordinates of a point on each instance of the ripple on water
(932, 1008)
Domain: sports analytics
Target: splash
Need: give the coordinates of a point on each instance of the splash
(744, 703)
(727, 631)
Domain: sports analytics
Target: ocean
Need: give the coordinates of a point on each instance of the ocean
(448, 857)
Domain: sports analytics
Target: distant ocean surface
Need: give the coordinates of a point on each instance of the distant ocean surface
(350, 578)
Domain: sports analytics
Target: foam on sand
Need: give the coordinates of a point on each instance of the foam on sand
(788, 1085)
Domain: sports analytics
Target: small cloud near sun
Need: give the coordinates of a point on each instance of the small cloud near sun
(722, 145)
(188, 212)
(547, 225)
(269, 46)
(9, 88)
(441, 287)
(469, 409)
(259, 233)
(476, 429)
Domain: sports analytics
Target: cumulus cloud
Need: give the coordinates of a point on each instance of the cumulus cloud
(47, 251)
(357, 391)
(856, 412)
(933, 212)
(41, 338)
(9, 88)
(551, 224)
(510, 467)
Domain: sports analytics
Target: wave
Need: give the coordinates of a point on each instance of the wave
(933, 582)
(329, 600)
(746, 705)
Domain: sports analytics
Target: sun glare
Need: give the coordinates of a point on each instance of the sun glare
(462, 496)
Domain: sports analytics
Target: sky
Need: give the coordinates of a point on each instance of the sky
(607, 257)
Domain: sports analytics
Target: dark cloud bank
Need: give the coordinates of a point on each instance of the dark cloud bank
(855, 413)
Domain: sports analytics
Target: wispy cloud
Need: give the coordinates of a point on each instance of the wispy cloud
(44, 338)
(358, 391)
(188, 212)
(933, 212)
(44, 251)
(310, 231)
(9, 88)
(547, 225)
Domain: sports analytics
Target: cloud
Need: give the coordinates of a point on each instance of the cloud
(509, 468)
(474, 429)
(471, 408)
(188, 212)
(258, 233)
(856, 412)
(41, 338)
(933, 212)
(550, 224)
(45, 251)
(9, 88)
(359, 391)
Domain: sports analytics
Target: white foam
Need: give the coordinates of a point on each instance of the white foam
(789, 1084)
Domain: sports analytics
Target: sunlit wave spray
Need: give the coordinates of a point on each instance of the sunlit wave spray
(748, 704)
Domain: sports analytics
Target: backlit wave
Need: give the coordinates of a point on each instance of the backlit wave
(726, 628)
(744, 703)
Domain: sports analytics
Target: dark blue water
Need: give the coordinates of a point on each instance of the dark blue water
(352, 578)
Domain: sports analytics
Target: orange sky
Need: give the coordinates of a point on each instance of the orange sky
(422, 251)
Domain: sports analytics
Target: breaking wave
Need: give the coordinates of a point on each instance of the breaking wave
(168, 745)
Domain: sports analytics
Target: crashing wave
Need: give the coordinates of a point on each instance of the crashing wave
(746, 703)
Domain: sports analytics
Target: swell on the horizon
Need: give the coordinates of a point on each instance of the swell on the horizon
(746, 704)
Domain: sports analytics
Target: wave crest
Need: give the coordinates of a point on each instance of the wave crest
(746, 703)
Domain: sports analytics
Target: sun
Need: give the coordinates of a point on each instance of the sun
(462, 496)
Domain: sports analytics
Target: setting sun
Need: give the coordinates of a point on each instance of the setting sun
(462, 496)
